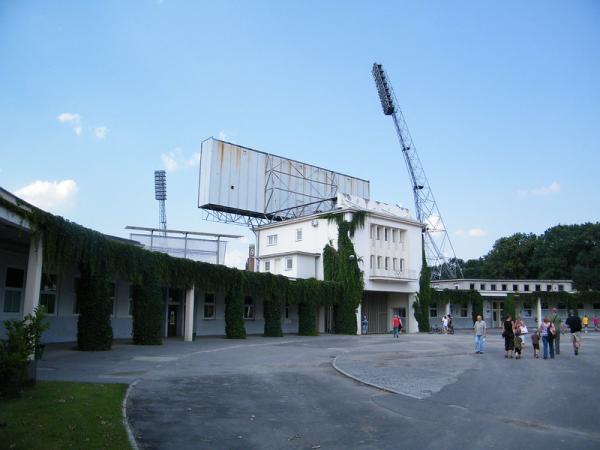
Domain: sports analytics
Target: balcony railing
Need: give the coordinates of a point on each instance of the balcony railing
(393, 274)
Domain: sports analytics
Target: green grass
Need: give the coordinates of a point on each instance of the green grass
(60, 415)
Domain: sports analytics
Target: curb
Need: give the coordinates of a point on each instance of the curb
(130, 435)
(367, 383)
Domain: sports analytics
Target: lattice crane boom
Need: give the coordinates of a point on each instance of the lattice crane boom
(438, 247)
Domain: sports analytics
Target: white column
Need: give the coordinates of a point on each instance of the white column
(412, 325)
(538, 310)
(359, 319)
(447, 309)
(34, 275)
(189, 314)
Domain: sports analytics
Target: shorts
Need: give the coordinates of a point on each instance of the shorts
(536, 346)
(509, 342)
(576, 337)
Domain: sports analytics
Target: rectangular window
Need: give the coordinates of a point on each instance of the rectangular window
(372, 261)
(379, 262)
(526, 288)
(267, 266)
(433, 310)
(113, 297)
(387, 263)
(561, 287)
(549, 287)
(472, 286)
(13, 290)
(248, 308)
(504, 287)
(209, 306)
(48, 293)
(299, 234)
(378, 233)
(395, 263)
(493, 287)
(401, 264)
(289, 263)
(515, 287)
(464, 311)
(538, 287)
(482, 287)
(527, 310)
(272, 239)
(394, 236)
(386, 232)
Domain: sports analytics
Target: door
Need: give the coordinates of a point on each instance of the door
(329, 322)
(172, 320)
(374, 306)
(497, 313)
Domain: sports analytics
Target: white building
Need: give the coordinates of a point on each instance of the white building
(494, 292)
(388, 248)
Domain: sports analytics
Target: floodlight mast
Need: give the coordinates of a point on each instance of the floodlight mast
(160, 194)
(438, 248)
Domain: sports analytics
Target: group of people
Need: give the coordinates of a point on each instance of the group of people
(447, 325)
(586, 322)
(515, 331)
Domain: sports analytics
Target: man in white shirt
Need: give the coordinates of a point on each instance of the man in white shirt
(480, 329)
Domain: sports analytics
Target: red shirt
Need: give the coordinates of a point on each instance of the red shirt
(396, 322)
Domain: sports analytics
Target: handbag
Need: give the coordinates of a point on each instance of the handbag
(524, 329)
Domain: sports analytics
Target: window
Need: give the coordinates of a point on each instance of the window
(401, 264)
(378, 233)
(394, 235)
(131, 299)
(515, 287)
(289, 263)
(379, 262)
(504, 287)
(112, 290)
(372, 261)
(48, 293)
(526, 288)
(482, 287)
(561, 287)
(493, 287)
(387, 263)
(372, 231)
(433, 310)
(527, 312)
(386, 232)
(267, 266)
(272, 239)
(299, 234)
(395, 263)
(464, 310)
(472, 286)
(548, 287)
(248, 308)
(13, 290)
(580, 306)
(538, 287)
(209, 306)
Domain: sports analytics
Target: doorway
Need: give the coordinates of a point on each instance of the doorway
(497, 314)
(172, 320)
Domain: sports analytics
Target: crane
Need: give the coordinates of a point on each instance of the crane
(436, 241)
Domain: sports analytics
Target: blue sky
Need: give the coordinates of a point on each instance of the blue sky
(502, 100)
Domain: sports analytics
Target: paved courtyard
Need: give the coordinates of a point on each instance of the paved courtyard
(302, 393)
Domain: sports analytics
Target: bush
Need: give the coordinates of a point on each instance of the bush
(272, 313)
(94, 331)
(307, 319)
(14, 357)
(148, 313)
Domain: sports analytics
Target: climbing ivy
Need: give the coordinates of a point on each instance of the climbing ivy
(94, 330)
(148, 312)
(423, 300)
(341, 266)
(463, 297)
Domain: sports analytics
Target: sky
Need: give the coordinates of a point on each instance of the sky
(502, 100)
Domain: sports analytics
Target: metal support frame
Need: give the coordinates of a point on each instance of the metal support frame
(439, 251)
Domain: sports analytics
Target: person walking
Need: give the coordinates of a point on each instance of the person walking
(596, 322)
(509, 337)
(586, 322)
(480, 329)
(556, 321)
(445, 324)
(396, 324)
(546, 332)
(574, 324)
(535, 341)
(518, 326)
(365, 324)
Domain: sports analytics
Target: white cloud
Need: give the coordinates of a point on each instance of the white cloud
(434, 223)
(194, 161)
(54, 196)
(552, 188)
(100, 132)
(67, 117)
(471, 232)
(223, 136)
(175, 160)
(236, 258)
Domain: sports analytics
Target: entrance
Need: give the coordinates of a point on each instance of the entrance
(497, 314)
(329, 322)
(374, 306)
(172, 320)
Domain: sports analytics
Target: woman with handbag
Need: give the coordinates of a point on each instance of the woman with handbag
(547, 331)
(509, 337)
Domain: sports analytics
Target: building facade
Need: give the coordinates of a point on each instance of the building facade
(494, 292)
(388, 249)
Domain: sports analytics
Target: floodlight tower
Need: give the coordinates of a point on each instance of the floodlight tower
(438, 248)
(160, 194)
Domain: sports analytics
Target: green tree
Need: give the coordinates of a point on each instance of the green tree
(421, 304)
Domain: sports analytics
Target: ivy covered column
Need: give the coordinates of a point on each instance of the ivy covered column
(148, 312)
(94, 330)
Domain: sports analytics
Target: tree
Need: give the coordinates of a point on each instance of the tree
(421, 304)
